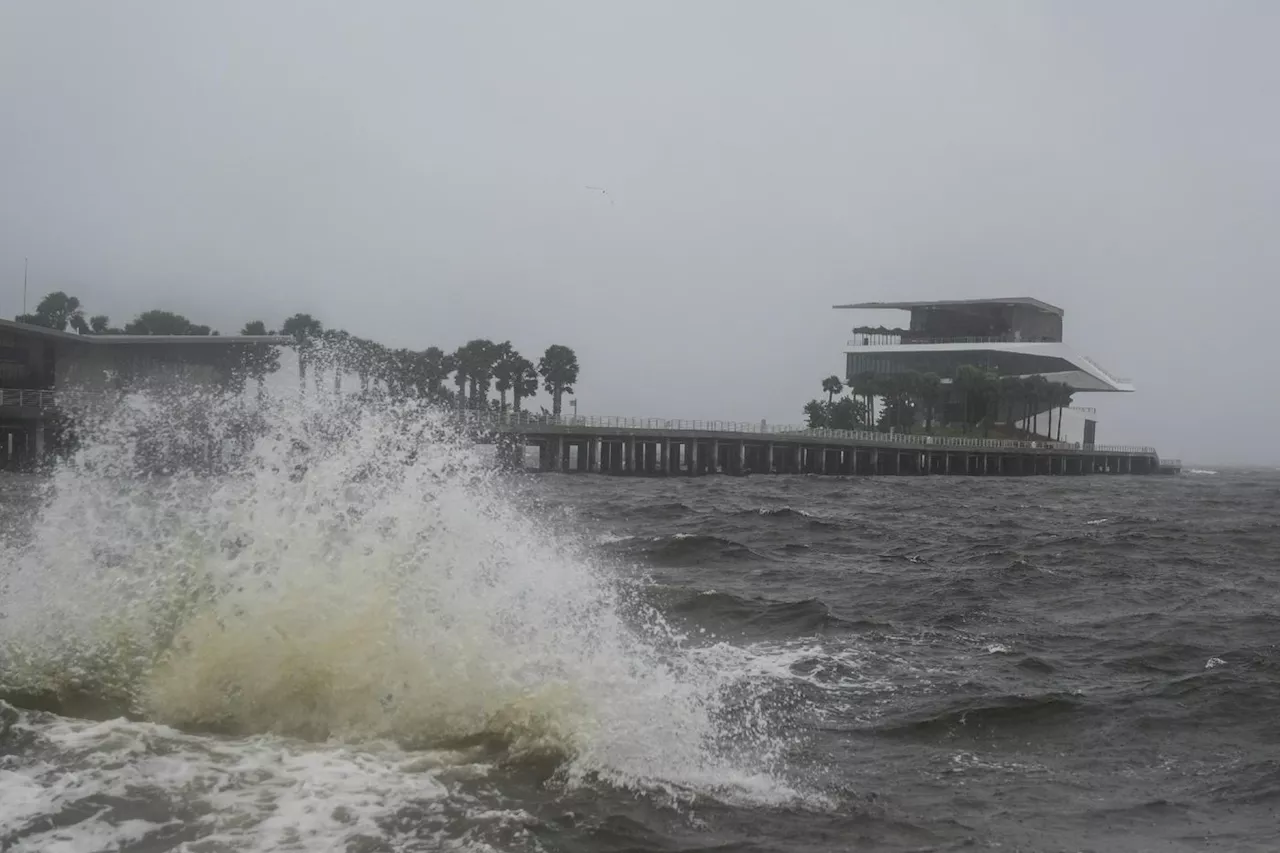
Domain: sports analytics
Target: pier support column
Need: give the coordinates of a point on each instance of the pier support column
(593, 456)
(768, 458)
(691, 451)
(630, 454)
(715, 456)
(742, 458)
(874, 464)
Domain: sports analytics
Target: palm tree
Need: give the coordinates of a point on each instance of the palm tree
(930, 389)
(55, 311)
(304, 329)
(259, 361)
(476, 359)
(524, 383)
(406, 366)
(506, 363)
(833, 386)
(1039, 390)
(1064, 393)
(338, 355)
(1010, 390)
(461, 364)
(160, 322)
(559, 369)
(432, 367)
(969, 382)
(867, 384)
(990, 392)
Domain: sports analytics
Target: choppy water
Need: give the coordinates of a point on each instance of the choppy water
(373, 643)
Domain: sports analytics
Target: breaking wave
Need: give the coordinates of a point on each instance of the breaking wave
(352, 574)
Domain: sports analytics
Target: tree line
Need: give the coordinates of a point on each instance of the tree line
(474, 370)
(904, 397)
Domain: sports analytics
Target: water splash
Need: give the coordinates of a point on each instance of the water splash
(351, 572)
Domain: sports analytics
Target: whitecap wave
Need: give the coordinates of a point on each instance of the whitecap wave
(355, 576)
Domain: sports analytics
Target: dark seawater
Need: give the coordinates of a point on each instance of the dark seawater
(1038, 664)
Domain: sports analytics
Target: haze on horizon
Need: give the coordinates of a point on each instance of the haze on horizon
(418, 174)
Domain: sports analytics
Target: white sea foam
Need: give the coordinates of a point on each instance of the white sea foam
(352, 589)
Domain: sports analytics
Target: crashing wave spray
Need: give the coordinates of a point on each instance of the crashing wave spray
(352, 571)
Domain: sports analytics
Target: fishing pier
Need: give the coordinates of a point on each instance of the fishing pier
(656, 447)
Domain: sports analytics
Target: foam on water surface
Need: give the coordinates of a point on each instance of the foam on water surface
(353, 586)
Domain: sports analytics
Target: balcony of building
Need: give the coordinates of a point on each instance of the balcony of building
(865, 336)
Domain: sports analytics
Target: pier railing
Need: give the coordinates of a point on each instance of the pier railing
(26, 398)
(891, 339)
(500, 420)
(782, 431)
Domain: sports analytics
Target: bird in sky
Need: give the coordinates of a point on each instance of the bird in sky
(604, 191)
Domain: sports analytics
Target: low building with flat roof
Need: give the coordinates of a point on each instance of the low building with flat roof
(37, 363)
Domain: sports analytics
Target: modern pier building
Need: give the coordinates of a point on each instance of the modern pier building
(1017, 336)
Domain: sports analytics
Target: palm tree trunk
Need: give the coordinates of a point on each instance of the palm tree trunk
(555, 401)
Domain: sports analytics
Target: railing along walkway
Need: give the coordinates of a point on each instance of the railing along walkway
(587, 422)
(26, 398)
(496, 420)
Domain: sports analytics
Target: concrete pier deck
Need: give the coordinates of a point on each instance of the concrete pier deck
(657, 447)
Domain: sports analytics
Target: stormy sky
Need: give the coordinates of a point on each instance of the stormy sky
(417, 173)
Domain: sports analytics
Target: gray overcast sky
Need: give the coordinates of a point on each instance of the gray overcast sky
(415, 172)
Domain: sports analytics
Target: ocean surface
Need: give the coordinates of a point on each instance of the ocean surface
(372, 647)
